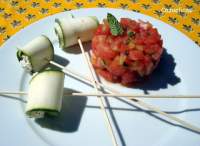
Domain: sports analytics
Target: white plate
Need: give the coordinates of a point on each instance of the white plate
(81, 121)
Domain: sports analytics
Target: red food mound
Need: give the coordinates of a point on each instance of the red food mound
(128, 57)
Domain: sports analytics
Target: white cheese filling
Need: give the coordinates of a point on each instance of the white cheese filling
(37, 114)
(25, 63)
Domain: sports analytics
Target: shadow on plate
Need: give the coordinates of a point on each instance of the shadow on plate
(158, 117)
(61, 60)
(162, 76)
(76, 49)
(138, 110)
(70, 116)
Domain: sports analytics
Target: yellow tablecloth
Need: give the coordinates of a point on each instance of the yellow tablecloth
(182, 14)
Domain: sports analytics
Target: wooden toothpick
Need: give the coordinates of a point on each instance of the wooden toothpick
(133, 98)
(130, 96)
(100, 98)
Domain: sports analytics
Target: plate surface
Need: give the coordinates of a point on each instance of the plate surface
(81, 121)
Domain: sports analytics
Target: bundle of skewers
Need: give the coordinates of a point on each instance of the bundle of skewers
(47, 83)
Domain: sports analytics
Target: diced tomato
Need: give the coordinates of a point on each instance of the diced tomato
(129, 78)
(103, 29)
(99, 30)
(102, 49)
(125, 58)
(136, 55)
(139, 40)
(157, 55)
(139, 67)
(126, 22)
(105, 52)
(107, 75)
(153, 32)
(150, 40)
(147, 60)
(94, 51)
(148, 64)
(115, 68)
(123, 48)
(93, 61)
(150, 49)
(113, 42)
(145, 25)
(134, 26)
(149, 68)
(131, 45)
(139, 47)
(120, 38)
(98, 62)
(153, 36)
(98, 39)
(160, 42)
(128, 61)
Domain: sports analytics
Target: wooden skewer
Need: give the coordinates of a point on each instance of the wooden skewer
(101, 99)
(109, 95)
(137, 101)
(113, 94)
(134, 95)
(130, 96)
(13, 93)
(141, 104)
(180, 121)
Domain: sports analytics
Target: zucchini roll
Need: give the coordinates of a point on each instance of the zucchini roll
(45, 93)
(69, 30)
(35, 55)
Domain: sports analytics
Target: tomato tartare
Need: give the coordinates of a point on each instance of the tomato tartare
(128, 57)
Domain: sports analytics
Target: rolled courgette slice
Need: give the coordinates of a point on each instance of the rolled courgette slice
(36, 55)
(45, 93)
(69, 30)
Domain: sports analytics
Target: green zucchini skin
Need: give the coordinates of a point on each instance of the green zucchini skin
(39, 52)
(19, 54)
(60, 35)
(95, 19)
(69, 30)
(48, 69)
(45, 93)
(50, 112)
(51, 47)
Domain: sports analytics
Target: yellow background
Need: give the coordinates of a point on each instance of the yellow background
(16, 14)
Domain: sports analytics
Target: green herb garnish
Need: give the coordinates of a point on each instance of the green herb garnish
(115, 27)
(131, 33)
(19, 55)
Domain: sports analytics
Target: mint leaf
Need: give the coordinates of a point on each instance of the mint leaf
(115, 26)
